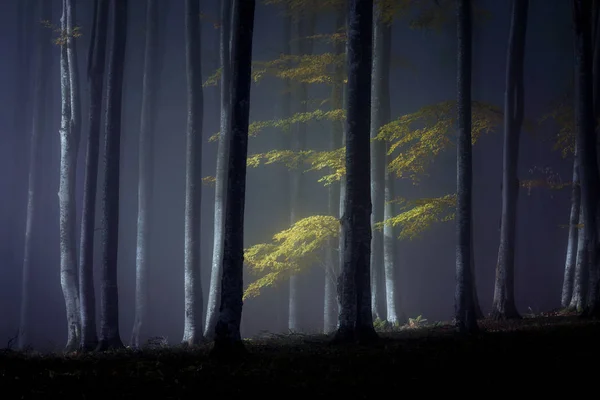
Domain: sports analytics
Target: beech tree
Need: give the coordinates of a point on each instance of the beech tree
(110, 337)
(228, 340)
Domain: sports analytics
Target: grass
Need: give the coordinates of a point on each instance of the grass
(548, 348)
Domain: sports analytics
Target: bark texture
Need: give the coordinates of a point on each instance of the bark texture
(228, 340)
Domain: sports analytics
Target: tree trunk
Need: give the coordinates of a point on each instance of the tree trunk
(109, 295)
(580, 280)
(96, 61)
(464, 311)
(356, 320)
(332, 266)
(586, 148)
(40, 78)
(305, 29)
(70, 127)
(228, 340)
(380, 115)
(192, 331)
(568, 280)
(504, 306)
(214, 294)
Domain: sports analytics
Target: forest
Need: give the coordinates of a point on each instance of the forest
(319, 195)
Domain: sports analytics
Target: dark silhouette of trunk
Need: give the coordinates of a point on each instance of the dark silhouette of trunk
(214, 294)
(332, 265)
(380, 115)
(580, 280)
(109, 294)
(586, 148)
(356, 319)
(595, 15)
(476, 305)
(305, 29)
(503, 306)
(465, 317)
(569, 276)
(70, 133)
(228, 340)
(95, 76)
(192, 331)
(41, 61)
(150, 81)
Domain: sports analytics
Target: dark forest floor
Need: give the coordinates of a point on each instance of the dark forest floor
(544, 353)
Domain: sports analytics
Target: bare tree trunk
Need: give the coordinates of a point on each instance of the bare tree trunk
(580, 280)
(145, 175)
(464, 311)
(214, 294)
(356, 319)
(40, 78)
(504, 306)
(109, 295)
(568, 280)
(380, 115)
(192, 331)
(228, 340)
(96, 61)
(586, 148)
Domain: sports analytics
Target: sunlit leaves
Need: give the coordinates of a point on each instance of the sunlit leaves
(419, 137)
(292, 251)
(418, 215)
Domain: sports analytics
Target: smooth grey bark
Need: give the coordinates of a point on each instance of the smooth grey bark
(70, 132)
(228, 340)
(569, 275)
(332, 264)
(503, 306)
(305, 26)
(380, 115)
(110, 337)
(192, 331)
(95, 76)
(145, 170)
(476, 305)
(356, 319)
(586, 148)
(578, 299)
(214, 293)
(41, 59)
(465, 317)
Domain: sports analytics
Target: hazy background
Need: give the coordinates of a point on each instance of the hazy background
(426, 265)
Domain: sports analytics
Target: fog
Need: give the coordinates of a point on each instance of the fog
(425, 265)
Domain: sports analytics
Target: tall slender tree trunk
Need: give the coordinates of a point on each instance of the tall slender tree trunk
(464, 311)
(95, 75)
(586, 148)
(41, 63)
(332, 267)
(380, 115)
(192, 331)
(569, 275)
(305, 29)
(504, 306)
(70, 132)
(109, 294)
(228, 340)
(214, 294)
(356, 319)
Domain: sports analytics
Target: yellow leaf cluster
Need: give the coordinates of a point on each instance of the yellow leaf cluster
(418, 215)
(292, 251)
(306, 68)
(563, 114)
(422, 135)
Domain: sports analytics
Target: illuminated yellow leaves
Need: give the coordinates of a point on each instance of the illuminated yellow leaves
(422, 135)
(291, 251)
(419, 215)
(308, 68)
(563, 114)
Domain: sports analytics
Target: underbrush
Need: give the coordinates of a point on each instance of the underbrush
(304, 365)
